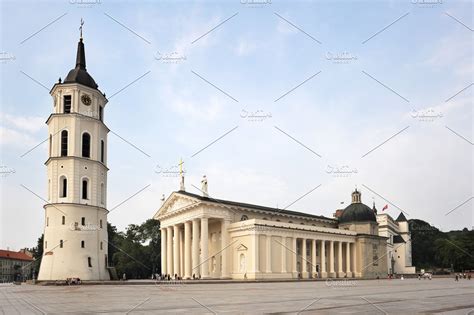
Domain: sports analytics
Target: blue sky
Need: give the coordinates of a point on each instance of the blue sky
(410, 68)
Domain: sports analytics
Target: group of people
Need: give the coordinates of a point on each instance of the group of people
(462, 276)
(168, 277)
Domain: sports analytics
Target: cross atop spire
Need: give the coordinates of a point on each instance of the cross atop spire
(80, 27)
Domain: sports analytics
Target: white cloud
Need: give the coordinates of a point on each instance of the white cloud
(30, 124)
(15, 138)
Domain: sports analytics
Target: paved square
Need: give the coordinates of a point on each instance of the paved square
(411, 296)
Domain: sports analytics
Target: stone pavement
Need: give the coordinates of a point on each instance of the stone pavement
(410, 296)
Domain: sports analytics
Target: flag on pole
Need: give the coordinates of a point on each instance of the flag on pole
(385, 208)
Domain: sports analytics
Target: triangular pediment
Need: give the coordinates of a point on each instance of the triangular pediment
(242, 247)
(175, 202)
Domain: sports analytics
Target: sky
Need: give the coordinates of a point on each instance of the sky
(289, 104)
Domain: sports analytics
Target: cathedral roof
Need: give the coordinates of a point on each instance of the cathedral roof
(357, 211)
(79, 74)
(401, 218)
(252, 206)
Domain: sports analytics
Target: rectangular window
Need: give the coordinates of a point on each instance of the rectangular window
(83, 244)
(89, 261)
(67, 104)
(83, 221)
(100, 245)
(47, 221)
(102, 147)
(63, 220)
(100, 223)
(101, 113)
(61, 244)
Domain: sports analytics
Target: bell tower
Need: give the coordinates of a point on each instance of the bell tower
(75, 230)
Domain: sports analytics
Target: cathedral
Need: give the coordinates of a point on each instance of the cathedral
(75, 231)
(201, 237)
(208, 238)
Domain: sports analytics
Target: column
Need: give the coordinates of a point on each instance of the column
(313, 258)
(195, 248)
(256, 253)
(340, 273)
(348, 260)
(187, 250)
(293, 257)
(176, 250)
(331, 259)
(355, 273)
(283, 254)
(181, 252)
(324, 273)
(204, 248)
(224, 249)
(163, 251)
(268, 254)
(304, 262)
(169, 251)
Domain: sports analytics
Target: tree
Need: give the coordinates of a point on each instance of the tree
(432, 248)
(137, 252)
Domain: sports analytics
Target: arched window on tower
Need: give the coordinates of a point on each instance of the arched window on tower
(86, 145)
(50, 144)
(63, 187)
(64, 138)
(85, 184)
(102, 152)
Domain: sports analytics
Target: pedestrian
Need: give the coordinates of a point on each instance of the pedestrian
(456, 278)
(124, 277)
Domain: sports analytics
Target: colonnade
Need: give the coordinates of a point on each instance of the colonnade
(185, 249)
(326, 258)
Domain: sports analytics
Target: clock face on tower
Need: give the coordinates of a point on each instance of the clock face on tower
(86, 99)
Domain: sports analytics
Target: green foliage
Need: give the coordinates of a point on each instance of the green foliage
(37, 255)
(136, 252)
(432, 248)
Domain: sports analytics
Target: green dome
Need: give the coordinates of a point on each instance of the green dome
(357, 212)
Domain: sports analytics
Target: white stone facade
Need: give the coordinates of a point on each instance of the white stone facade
(75, 231)
(209, 238)
(398, 236)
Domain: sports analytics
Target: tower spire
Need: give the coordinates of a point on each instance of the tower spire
(81, 54)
